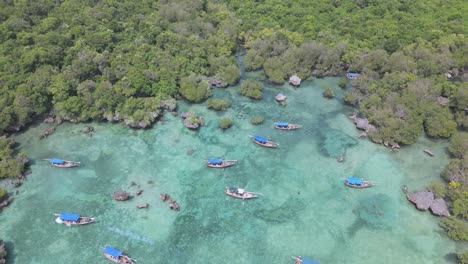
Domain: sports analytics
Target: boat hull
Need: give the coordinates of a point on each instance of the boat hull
(364, 184)
(67, 164)
(245, 195)
(121, 260)
(289, 127)
(81, 221)
(268, 144)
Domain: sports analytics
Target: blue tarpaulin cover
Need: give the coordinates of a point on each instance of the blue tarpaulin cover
(69, 216)
(353, 74)
(215, 161)
(357, 181)
(282, 124)
(56, 161)
(308, 261)
(112, 251)
(260, 139)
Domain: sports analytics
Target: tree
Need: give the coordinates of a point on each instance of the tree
(252, 89)
(194, 88)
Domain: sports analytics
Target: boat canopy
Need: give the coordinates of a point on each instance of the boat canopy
(215, 161)
(357, 181)
(305, 260)
(282, 124)
(260, 139)
(112, 251)
(352, 75)
(69, 217)
(56, 161)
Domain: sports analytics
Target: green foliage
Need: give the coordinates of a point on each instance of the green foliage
(439, 122)
(328, 92)
(9, 166)
(456, 229)
(84, 59)
(351, 98)
(460, 207)
(252, 89)
(342, 83)
(3, 193)
(225, 123)
(257, 120)
(458, 146)
(218, 104)
(438, 188)
(194, 89)
(463, 257)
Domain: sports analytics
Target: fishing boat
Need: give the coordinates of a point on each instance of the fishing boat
(264, 142)
(286, 126)
(304, 260)
(70, 219)
(240, 193)
(60, 163)
(219, 163)
(357, 183)
(117, 256)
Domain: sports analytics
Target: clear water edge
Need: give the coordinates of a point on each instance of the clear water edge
(304, 210)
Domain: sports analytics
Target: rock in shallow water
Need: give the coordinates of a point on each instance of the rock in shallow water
(422, 200)
(439, 207)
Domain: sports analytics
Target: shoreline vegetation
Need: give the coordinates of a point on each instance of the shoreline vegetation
(125, 61)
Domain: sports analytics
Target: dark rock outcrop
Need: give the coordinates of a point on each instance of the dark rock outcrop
(3, 252)
(217, 82)
(439, 207)
(47, 132)
(121, 195)
(190, 120)
(422, 200)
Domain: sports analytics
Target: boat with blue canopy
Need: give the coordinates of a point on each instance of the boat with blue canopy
(286, 126)
(70, 219)
(357, 182)
(117, 256)
(304, 260)
(60, 163)
(263, 141)
(219, 163)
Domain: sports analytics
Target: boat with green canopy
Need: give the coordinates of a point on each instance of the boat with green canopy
(219, 163)
(264, 142)
(286, 126)
(358, 183)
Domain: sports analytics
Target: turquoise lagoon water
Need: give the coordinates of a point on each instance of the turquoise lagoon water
(305, 209)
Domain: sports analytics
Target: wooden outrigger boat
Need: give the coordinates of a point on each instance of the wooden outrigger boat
(264, 142)
(304, 260)
(358, 183)
(60, 163)
(240, 193)
(219, 163)
(286, 126)
(117, 256)
(70, 219)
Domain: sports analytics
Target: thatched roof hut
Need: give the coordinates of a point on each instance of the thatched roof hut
(295, 80)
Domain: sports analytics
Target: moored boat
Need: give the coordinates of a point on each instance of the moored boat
(117, 256)
(264, 142)
(240, 193)
(286, 126)
(304, 260)
(219, 163)
(70, 219)
(60, 163)
(357, 182)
